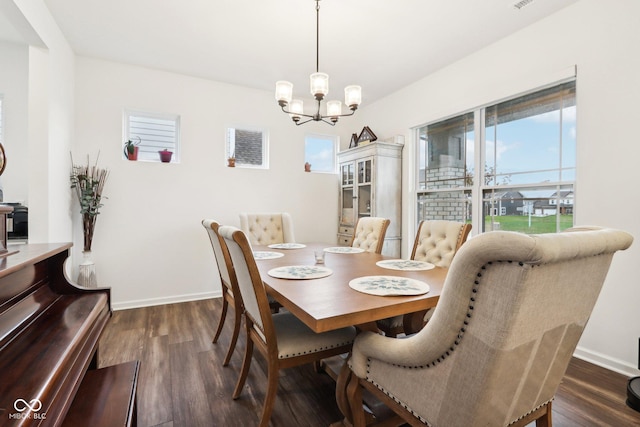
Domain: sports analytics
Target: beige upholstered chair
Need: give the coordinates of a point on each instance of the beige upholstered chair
(267, 228)
(512, 310)
(436, 242)
(369, 234)
(229, 286)
(281, 338)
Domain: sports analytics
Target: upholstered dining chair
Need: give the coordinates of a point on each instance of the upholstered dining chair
(509, 318)
(436, 242)
(369, 234)
(230, 292)
(267, 228)
(282, 339)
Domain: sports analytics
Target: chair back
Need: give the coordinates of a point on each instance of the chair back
(221, 255)
(267, 228)
(369, 234)
(437, 241)
(250, 286)
(509, 318)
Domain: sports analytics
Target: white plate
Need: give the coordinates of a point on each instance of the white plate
(287, 246)
(267, 255)
(300, 272)
(344, 250)
(389, 285)
(405, 265)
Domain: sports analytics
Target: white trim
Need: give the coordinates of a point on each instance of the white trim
(607, 362)
(165, 300)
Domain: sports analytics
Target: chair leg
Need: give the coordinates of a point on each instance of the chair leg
(354, 394)
(234, 338)
(223, 316)
(545, 420)
(272, 390)
(244, 371)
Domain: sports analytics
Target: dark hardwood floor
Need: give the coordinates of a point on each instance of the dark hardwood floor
(183, 383)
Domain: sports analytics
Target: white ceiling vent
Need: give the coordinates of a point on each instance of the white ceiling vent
(522, 3)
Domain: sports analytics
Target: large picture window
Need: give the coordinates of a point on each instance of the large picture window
(522, 176)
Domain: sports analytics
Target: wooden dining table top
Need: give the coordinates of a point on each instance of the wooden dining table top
(329, 303)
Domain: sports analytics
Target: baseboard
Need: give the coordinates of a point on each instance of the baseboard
(166, 300)
(607, 362)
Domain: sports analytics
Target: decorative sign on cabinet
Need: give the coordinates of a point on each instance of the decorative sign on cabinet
(371, 185)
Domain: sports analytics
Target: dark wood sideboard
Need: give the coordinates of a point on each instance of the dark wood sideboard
(49, 334)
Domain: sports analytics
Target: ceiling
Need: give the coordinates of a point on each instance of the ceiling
(382, 45)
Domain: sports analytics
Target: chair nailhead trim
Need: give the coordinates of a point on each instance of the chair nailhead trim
(316, 350)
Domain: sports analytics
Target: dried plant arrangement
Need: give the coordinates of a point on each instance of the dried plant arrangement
(88, 181)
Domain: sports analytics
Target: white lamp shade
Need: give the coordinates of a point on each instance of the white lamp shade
(352, 95)
(296, 108)
(284, 91)
(334, 108)
(319, 84)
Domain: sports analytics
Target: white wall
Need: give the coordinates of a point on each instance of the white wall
(50, 119)
(14, 73)
(149, 245)
(602, 39)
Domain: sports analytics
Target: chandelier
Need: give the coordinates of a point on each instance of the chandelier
(319, 89)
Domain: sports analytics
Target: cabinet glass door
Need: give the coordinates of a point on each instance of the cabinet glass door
(347, 174)
(364, 171)
(347, 196)
(364, 167)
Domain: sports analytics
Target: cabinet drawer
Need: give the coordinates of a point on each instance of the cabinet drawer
(344, 240)
(345, 230)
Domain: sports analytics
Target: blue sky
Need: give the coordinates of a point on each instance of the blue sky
(320, 152)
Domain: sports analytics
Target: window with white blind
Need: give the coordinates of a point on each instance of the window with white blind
(153, 133)
(508, 166)
(249, 146)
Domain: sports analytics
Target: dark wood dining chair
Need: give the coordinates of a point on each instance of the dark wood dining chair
(436, 242)
(229, 286)
(369, 233)
(511, 313)
(282, 339)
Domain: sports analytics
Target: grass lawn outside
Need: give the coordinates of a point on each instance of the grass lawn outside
(539, 224)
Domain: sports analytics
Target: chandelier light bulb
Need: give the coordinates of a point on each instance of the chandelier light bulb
(353, 95)
(296, 108)
(319, 85)
(284, 91)
(334, 108)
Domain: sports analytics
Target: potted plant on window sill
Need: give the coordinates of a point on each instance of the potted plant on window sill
(165, 155)
(131, 149)
(231, 160)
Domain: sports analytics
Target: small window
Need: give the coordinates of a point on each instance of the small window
(320, 152)
(153, 133)
(248, 147)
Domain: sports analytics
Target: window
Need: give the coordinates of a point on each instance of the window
(320, 152)
(248, 146)
(153, 133)
(523, 176)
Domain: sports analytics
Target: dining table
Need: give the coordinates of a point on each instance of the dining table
(330, 295)
(329, 302)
